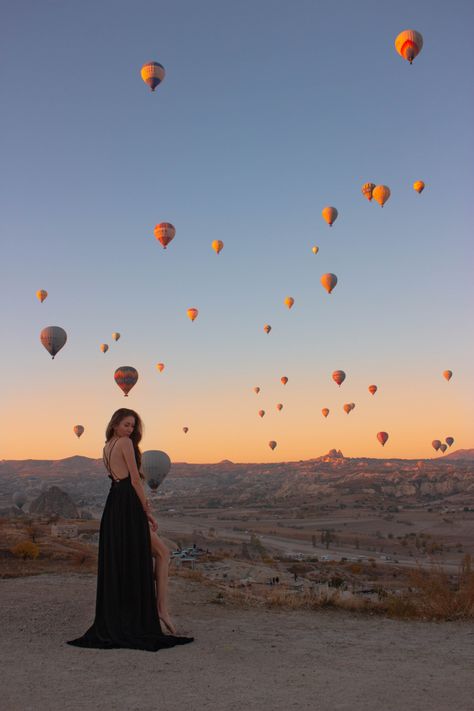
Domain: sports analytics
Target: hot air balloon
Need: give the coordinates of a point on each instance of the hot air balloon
(325, 411)
(382, 437)
(279, 406)
(104, 347)
(41, 295)
(152, 74)
(19, 499)
(314, 249)
(164, 233)
(372, 389)
(126, 377)
(160, 367)
(448, 374)
(217, 245)
(289, 301)
(261, 413)
(78, 430)
(443, 447)
(419, 186)
(155, 465)
(347, 407)
(436, 444)
(53, 339)
(352, 404)
(185, 429)
(408, 44)
(450, 441)
(367, 189)
(192, 313)
(272, 444)
(115, 336)
(153, 484)
(256, 389)
(284, 380)
(381, 194)
(267, 328)
(339, 376)
(329, 214)
(329, 281)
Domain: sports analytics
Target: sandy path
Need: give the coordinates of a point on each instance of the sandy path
(241, 659)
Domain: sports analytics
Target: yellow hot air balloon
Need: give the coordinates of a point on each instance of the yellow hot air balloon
(448, 374)
(272, 444)
(279, 406)
(104, 347)
(289, 301)
(408, 44)
(325, 411)
(116, 336)
(381, 194)
(329, 214)
(367, 190)
(315, 249)
(41, 295)
(267, 328)
(329, 281)
(192, 314)
(419, 186)
(217, 245)
(160, 367)
(152, 74)
(78, 430)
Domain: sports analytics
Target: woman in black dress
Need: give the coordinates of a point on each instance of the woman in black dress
(128, 608)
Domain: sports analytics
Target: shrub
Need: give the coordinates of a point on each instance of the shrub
(26, 549)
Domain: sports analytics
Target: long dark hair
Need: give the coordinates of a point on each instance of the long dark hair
(136, 435)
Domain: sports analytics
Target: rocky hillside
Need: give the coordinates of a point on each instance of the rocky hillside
(54, 501)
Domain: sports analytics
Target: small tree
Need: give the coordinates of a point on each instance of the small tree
(26, 549)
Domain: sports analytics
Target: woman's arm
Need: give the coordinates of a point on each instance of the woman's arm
(129, 456)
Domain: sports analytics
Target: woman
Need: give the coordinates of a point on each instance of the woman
(128, 612)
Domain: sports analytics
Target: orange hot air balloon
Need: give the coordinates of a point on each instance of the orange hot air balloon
(267, 328)
(314, 249)
(450, 441)
(261, 413)
(382, 437)
(152, 74)
(436, 444)
(443, 447)
(185, 430)
(419, 186)
(256, 389)
(329, 281)
(325, 411)
(78, 430)
(272, 444)
(408, 44)
(372, 389)
(217, 245)
(367, 189)
(339, 376)
(448, 374)
(329, 214)
(160, 367)
(192, 314)
(104, 347)
(164, 233)
(284, 380)
(347, 407)
(279, 406)
(41, 295)
(381, 194)
(116, 336)
(352, 404)
(289, 301)
(126, 377)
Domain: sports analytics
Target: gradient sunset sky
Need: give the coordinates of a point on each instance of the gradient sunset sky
(269, 111)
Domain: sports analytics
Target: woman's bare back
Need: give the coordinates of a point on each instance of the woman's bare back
(114, 456)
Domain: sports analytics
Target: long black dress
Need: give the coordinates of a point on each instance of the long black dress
(126, 614)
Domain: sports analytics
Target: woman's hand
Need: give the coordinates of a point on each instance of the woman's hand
(152, 522)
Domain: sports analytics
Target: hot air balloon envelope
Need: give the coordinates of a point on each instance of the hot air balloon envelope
(53, 339)
(329, 281)
(450, 441)
(116, 336)
(367, 189)
(381, 194)
(329, 214)
(436, 444)
(217, 245)
(382, 437)
(419, 186)
(152, 74)
(126, 377)
(155, 465)
(408, 44)
(78, 430)
(448, 374)
(192, 314)
(339, 376)
(325, 411)
(164, 233)
(41, 295)
(272, 444)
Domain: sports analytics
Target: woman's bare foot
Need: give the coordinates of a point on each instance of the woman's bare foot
(167, 623)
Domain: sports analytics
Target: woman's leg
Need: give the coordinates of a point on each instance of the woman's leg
(162, 561)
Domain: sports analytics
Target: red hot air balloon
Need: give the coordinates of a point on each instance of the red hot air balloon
(279, 406)
(284, 380)
(447, 374)
(347, 407)
(339, 376)
(325, 411)
(261, 413)
(450, 441)
(443, 447)
(164, 233)
(436, 444)
(272, 444)
(126, 377)
(382, 437)
(185, 430)
(78, 430)
(372, 389)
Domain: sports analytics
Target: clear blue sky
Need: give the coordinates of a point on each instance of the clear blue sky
(268, 112)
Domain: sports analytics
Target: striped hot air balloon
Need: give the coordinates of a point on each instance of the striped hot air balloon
(367, 189)
(164, 233)
(126, 377)
(53, 339)
(408, 44)
(152, 74)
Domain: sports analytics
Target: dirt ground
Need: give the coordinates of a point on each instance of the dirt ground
(248, 659)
